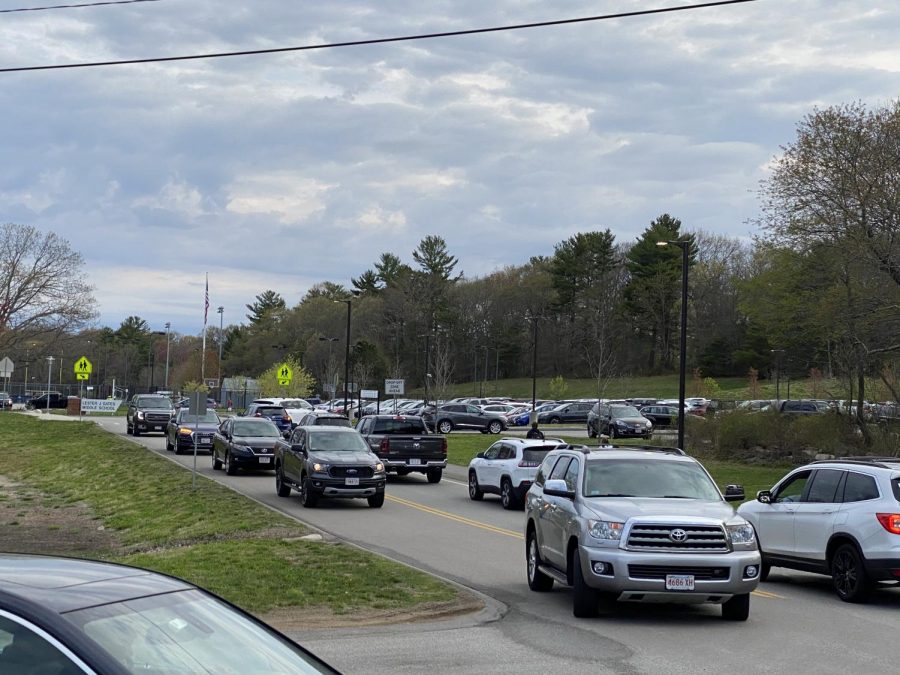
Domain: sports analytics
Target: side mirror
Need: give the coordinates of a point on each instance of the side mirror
(480, 455)
(764, 496)
(558, 488)
(734, 493)
(297, 447)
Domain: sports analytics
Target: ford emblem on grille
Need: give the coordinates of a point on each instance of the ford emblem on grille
(678, 535)
(352, 471)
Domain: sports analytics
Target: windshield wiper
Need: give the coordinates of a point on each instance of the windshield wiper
(613, 495)
(677, 497)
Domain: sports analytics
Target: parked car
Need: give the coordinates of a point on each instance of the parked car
(57, 400)
(184, 429)
(637, 524)
(328, 462)
(452, 416)
(797, 407)
(185, 402)
(574, 412)
(507, 468)
(6, 401)
(321, 418)
(244, 443)
(837, 517)
(148, 412)
(618, 421)
(660, 415)
(64, 616)
(276, 413)
(405, 445)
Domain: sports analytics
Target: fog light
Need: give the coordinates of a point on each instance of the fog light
(750, 571)
(601, 567)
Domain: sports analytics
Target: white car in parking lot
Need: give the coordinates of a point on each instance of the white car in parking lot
(507, 468)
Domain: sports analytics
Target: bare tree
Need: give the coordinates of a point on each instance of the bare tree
(43, 291)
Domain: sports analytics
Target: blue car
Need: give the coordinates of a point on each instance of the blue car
(276, 413)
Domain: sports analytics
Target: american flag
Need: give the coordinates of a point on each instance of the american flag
(206, 301)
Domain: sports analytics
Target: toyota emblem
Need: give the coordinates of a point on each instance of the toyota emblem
(678, 535)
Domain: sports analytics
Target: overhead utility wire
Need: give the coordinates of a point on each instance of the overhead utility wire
(86, 4)
(377, 41)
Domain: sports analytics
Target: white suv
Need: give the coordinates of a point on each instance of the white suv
(837, 517)
(508, 467)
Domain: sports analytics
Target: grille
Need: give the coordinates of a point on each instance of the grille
(352, 471)
(156, 417)
(660, 572)
(262, 451)
(698, 538)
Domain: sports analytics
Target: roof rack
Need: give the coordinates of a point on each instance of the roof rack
(862, 460)
(643, 448)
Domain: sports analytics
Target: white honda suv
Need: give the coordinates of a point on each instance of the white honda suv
(837, 517)
(508, 468)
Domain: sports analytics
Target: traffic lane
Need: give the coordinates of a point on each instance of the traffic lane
(804, 614)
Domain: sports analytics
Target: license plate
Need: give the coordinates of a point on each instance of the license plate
(679, 582)
(264, 460)
(415, 462)
(351, 481)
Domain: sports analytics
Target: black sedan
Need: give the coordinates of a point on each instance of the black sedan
(245, 443)
(661, 415)
(183, 429)
(69, 617)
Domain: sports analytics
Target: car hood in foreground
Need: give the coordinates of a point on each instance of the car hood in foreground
(663, 510)
(342, 457)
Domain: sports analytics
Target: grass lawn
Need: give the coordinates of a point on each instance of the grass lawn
(211, 535)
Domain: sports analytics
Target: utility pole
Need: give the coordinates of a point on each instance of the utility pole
(166, 384)
(50, 360)
(221, 313)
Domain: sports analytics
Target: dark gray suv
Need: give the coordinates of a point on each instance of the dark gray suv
(464, 416)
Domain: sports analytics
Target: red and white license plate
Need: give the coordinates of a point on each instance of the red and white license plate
(679, 582)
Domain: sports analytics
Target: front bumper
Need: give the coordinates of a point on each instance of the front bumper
(632, 433)
(634, 587)
(337, 487)
(247, 461)
(150, 425)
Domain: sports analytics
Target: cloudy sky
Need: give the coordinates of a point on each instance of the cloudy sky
(280, 171)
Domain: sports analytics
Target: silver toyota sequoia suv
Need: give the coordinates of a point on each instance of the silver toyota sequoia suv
(638, 524)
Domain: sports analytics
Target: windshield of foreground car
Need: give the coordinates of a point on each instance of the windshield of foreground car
(155, 403)
(262, 429)
(648, 478)
(622, 411)
(189, 632)
(325, 440)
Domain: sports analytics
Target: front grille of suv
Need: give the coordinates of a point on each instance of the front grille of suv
(351, 471)
(661, 571)
(686, 538)
(156, 418)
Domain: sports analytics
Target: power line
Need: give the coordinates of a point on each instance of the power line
(86, 4)
(377, 41)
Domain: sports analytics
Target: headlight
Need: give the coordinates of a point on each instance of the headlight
(740, 534)
(605, 529)
(319, 468)
(621, 423)
(649, 424)
(140, 415)
(379, 467)
(185, 431)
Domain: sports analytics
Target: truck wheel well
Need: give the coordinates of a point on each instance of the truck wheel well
(571, 552)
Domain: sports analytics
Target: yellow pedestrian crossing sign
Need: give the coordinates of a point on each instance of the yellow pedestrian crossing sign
(82, 376)
(285, 374)
(83, 367)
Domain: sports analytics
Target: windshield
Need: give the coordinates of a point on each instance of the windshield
(296, 403)
(271, 411)
(210, 417)
(156, 403)
(337, 442)
(624, 411)
(189, 632)
(648, 478)
(263, 429)
(332, 422)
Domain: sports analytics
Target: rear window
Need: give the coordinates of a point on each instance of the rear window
(411, 425)
(534, 456)
(271, 411)
(332, 422)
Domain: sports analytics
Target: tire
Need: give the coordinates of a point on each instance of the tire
(613, 433)
(848, 574)
(475, 493)
(282, 488)
(736, 609)
(495, 427)
(376, 501)
(307, 497)
(135, 431)
(591, 432)
(230, 468)
(555, 420)
(216, 462)
(445, 426)
(764, 570)
(507, 497)
(169, 447)
(537, 580)
(434, 475)
(585, 600)
(402, 472)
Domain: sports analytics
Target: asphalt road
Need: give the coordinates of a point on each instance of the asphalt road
(796, 625)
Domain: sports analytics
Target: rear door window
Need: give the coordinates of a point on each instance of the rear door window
(859, 487)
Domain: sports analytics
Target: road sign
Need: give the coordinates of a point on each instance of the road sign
(82, 376)
(6, 367)
(369, 393)
(285, 374)
(83, 367)
(395, 387)
(99, 405)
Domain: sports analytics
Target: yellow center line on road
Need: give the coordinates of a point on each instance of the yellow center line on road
(767, 594)
(454, 517)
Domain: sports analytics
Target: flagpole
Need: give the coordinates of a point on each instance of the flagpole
(203, 352)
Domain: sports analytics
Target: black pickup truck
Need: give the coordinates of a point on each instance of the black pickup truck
(404, 444)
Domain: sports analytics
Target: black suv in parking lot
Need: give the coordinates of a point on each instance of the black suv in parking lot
(148, 412)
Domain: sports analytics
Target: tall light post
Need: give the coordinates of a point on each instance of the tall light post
(221, 312)
(152, 359)
(534, 326)
(685, 246)
(349, 303)
(166, 383)
(50, 361)
(330, 341)
(427, 337)
(484, 375)
(780, 353)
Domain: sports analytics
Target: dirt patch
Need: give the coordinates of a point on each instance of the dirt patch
(306, 618)
(34, 522)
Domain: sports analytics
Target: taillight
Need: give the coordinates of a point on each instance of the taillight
(444, 445)
(286, 418)
(385, 446)
(889, 521)
(258, 415)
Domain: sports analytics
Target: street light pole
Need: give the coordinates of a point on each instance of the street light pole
(534, 327)
(349, 303)
(685, 246)
(221, 312)
(166, 384)
(50, 360)
(330, 341)
(779, 353)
